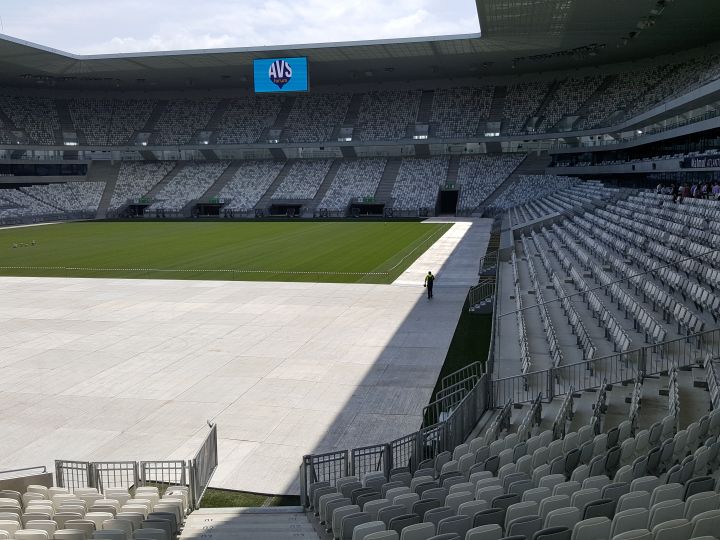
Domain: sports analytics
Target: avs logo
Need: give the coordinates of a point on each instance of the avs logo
(280, 73)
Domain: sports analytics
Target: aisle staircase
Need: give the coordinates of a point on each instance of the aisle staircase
(326, 183)
(222, 181)
(104, 171)
(383, 193)
(265, 201)
(263, 523)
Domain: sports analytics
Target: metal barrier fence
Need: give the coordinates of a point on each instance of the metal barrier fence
(195, 473)
(613, 369)
(482, 291)
(163, 472)
(111, 474)
(471, 370)
(437, 410)
(73, 474)
(203, 465)
(407, 452)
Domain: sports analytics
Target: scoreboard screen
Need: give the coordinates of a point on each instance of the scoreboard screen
(281, 75)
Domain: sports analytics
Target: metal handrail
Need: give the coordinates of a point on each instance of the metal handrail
(621, 367)
(23, 469)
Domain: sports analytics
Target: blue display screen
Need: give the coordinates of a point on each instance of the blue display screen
(281, 75)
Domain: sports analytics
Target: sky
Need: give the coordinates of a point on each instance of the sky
(106, 26)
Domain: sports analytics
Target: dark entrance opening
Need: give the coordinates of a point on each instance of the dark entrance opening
(448, 201)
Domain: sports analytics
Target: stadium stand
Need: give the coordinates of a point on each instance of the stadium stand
(36, 116)
(530, 187)
(569, 96)
(457, 112)
(44, 513)
(249, 184)
(190, 183)
(109, 121)
(182, 118)
(68, 197)
(303, 180)
(245, 119)
(418, 182)
(386, 115)
(479, 176)
(313, 117)
(137, 179)
(354, 179)
(522, 101)
(51, 201)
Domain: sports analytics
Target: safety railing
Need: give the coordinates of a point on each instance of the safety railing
(203, 465)
(599, 407)
(115, 474)
(74, 474)
(532, 417)
(170, 473)
(613, 369)
(437, 410)
(24, 471)
(713, 381)
(195, 473)
(482, 292)
(407, 452)
(471, 370)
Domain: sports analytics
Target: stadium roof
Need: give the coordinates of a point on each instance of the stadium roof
(517, 36)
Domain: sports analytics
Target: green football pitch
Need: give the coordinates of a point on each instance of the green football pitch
(343, 252)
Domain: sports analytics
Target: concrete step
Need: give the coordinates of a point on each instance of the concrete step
(272, 523)
(104, 171)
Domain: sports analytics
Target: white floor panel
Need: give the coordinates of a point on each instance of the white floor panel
(102, 369)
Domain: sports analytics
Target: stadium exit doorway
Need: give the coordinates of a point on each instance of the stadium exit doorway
(448, 200)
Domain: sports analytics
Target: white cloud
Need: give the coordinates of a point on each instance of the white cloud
(92, 27)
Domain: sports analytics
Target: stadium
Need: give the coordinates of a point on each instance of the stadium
(214, 283)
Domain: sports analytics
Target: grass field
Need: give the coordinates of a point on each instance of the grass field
(375, 252)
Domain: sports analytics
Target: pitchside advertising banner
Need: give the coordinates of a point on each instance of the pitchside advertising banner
(281, 75)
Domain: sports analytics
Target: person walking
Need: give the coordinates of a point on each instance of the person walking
(429, 280)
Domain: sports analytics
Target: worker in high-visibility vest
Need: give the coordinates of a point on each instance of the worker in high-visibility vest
(429, 280)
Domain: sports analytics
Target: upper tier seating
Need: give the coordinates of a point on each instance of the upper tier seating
(245, 119)
(182, 118)
(386, 115)
(36, 116)
(521, 102)
(109, 121)
(457, 112)
(569, 96)
(314, 116)
(623, 92)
